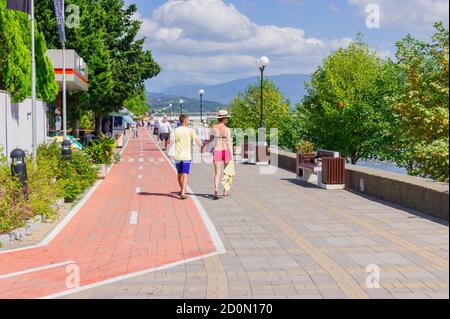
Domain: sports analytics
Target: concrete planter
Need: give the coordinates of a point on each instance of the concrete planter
(30, 226)
(20, 233)
(103, 170)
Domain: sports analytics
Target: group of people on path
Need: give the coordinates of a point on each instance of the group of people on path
(217, 140)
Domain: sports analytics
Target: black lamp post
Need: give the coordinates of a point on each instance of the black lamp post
(66, 151)
(262, 63)
(19, 167)
(201, 93)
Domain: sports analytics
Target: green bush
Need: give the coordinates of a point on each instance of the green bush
(51, 178)
(305, 147)
(75, 176)
(16, 205)
(102, 151)
(43, 188)
(84, 168)
(13, 209)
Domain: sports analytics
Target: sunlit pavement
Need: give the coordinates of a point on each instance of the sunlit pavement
(289, 240)
(283, 239)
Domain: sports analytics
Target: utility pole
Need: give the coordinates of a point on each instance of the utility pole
(33, 85)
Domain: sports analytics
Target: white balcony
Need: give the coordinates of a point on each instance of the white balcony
(76, 70)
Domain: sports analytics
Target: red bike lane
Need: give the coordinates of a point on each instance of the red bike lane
(132, 223)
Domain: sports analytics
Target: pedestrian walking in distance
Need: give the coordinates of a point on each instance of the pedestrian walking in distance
(164, 133)
(156, 130)
(134, 130)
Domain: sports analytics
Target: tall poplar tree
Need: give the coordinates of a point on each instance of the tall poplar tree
(15, 58)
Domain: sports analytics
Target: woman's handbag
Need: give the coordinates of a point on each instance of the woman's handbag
(210, 147)
(171, 149)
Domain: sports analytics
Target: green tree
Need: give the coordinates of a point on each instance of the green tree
(15, 59)
(107, 40)
(346, 108)
(46, 86)
(291, 131)
(137, 104)
(422, 105)
(15, 66)
(245, 108)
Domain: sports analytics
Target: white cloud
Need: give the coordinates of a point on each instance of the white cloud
(410, 14)
(205, 19)
(212, 40)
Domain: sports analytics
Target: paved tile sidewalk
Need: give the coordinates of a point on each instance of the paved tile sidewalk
(289, 240)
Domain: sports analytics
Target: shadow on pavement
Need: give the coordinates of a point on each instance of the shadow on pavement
(207, 196)
(151, 150)
(413, 213)
(160, 195)
(301, 183)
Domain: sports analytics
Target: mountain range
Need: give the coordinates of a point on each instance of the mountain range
(159, 101)
(291, 85)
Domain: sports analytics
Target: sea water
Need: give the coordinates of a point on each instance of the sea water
(387, 166)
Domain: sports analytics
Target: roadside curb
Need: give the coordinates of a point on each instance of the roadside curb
(30, 225)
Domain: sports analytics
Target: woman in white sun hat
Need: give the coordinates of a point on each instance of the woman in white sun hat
(223, 149)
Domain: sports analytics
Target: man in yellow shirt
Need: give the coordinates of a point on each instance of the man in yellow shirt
(184, 136)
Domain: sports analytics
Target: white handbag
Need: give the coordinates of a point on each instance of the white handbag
(171, 149)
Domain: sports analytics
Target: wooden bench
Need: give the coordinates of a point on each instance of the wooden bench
(327, 165)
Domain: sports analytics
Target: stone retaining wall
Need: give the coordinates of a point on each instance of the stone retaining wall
(420, 194)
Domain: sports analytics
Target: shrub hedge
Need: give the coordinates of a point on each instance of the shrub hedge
(50, 179)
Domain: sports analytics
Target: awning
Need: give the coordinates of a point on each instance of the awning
(118, 114)
(128, 119)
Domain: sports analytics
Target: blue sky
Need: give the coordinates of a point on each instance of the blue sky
(212, 41)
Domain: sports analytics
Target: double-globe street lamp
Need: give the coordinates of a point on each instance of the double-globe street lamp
(201, 93)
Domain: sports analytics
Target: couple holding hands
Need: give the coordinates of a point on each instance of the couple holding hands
(221, 144)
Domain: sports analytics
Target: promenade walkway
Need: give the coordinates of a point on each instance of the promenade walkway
(282, 239)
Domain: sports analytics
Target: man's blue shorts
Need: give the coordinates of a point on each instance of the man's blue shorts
(183, 167)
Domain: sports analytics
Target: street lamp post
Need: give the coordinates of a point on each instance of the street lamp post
(201, 93)
(262, 63)
(261, 147)
(181, 107)
(170, 107)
